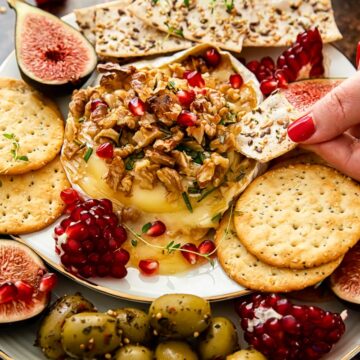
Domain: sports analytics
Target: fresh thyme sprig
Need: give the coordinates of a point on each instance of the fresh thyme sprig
(16, 147)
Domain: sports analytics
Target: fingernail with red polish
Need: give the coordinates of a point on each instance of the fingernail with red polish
(358, 55)
(301, 129)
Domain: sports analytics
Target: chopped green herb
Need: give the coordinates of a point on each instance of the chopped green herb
(16, 147)
(88, 153)
(206, 192)
(134, 242)
(229, 5)
(194, 189)
(171, 85)
(9, 136)
(172, 30)
(23, 158)
(145, 228)
(78, 143)
(165, 130)
(212, 5)
(130, 161)
(154, 2)
(171, 247)
(216, 218)
(187, 201)
(187, 3)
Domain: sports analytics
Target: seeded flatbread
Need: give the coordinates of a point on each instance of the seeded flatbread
(85, 18)
(251, 273)
(31, 128)
(221, 23)
(32, 201)
(277, 23)
(120, 34)
(299, 216)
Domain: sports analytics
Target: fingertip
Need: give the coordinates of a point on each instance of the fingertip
(301, 129)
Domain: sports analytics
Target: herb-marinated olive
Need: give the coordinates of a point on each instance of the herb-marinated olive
(174, 350)
(49, 334)
(179, 315)
(134, 323)
(220, 339)
(87, 335)
(133, 352)
(249, 354)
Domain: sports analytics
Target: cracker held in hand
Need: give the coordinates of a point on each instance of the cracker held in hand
(31, 128)
(254, 274)
(299, 216)
(120, 34)
(277, 23)
(32, 201)
(221, 23)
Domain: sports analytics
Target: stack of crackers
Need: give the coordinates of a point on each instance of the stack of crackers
(132, 28)
(31, 175)
(291, 227)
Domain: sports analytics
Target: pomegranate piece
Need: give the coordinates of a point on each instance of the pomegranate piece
(77, 231)
(69, 196)
(253, 66)
(121, 256)
(105, 151)
(207, 247)
(148, 266)
(8, 292)
(268, 62)
(118, 271)
(212, 57)
(186, 97)
(190, 257)
(156, 228)
(25, 290)
(186, 118)
(194, 79)
(137, 106)
(267, 86)
(284, 331)
(236, 81)
(48, 282)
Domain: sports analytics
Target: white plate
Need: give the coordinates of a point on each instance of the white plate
(208, 282)
(17, 341)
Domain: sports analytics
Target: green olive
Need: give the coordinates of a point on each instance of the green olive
(179, 316)
(249, 354)
(220, 339)
(175, 350)
(87, 335)
(133, 352)
(135, 325)
(49, 334)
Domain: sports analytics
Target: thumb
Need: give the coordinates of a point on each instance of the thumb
(332, 115)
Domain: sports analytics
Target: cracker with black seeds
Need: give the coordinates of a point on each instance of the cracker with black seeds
(250, 272)
(31, 201)
(299, 216)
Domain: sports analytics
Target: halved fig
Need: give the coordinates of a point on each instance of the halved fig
(21, 275)
(52, 56)
(345, 281)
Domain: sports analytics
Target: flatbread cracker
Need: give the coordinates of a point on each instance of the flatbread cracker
(220, 23)
(31, 128)
(299, 216)
(251, 273)
(277, 23)
(32, 201)
(120, 34)
(85, 18)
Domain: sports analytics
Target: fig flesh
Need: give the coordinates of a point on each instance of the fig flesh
(52, 56)
(345, 281)
(20, 278)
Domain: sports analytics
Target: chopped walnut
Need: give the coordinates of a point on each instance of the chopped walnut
(212, 171)
(115, 173)
(205, 173)
(114, 75)
(78, 102)
(126, 214)
(145, 173)
(145, 136)
(126, 183)
(183, 161)
(159, 158)
(172, 142)
(197, 132)
(139, 83)
(99, 113)
(107, 133)
(165, 107)
(124, 151)
(172, 182)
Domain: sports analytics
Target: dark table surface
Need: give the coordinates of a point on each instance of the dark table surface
(347, 14)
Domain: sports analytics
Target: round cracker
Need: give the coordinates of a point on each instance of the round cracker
(31, 121)
(305, 158)
(251, 273)
(32, 201)
(299, 216)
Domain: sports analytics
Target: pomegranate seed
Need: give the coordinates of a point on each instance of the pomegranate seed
(314, 35)
(236, 81)
(70, 208)
(156, 228)
(65, 223)
(253, 65)
(91, 203)
(48, 282)
(102, 270)
(114, 244)
(120, 234)
(118, 271)
(190, 257)
(280, 76)
(290, 75)
(94, 258)
(76, 213)
(268, 62)
(59, 230)
(137, 106)
(195, 79)
(106, 258)
(186, 74)
(207, 247)
(186, 97)
(96, 103)
(65, 260)
(148, 266)
(105, 151)
(87, 271)
(186, 118)
(293, 63)
(281, 61)
(121, 256)
(106, 204)
(73, 245)
(267, 86)
(317, 70)
(94, 231)
(87, 246)
(101, 246)
(212, 57)
(111, 219)
(8, 292)
(69, 196)
(77, 231)
(290, 324)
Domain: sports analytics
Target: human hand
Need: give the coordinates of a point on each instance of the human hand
(332, 128)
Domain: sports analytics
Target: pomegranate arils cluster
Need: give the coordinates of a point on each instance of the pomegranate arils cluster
(191, 252)
(302, 60)
(89, 240)
(284, 331)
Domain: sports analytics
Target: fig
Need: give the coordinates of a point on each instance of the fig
(21, 276)
(52, 56)
(345, 280)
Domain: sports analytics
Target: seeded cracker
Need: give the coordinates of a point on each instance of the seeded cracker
(277, 23)
(251, 273)
(120, 34)
(299, 216)
(85, 18)
(31, 128)
(221, 23)
(31, 201)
